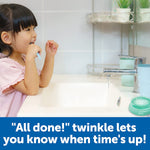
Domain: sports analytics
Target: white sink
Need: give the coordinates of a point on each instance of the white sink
(79, 96)
(75, 95)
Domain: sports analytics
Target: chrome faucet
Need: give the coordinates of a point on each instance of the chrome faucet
(138, 60)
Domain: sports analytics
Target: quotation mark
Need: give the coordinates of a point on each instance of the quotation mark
(13, 124)
(67, 124)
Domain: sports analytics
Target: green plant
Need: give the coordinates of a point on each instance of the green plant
(144, 3)
(123, 3)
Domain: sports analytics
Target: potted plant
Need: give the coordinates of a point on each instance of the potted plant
(144, 11)
(123, 12)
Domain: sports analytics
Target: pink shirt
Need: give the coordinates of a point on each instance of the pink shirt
(11, 72)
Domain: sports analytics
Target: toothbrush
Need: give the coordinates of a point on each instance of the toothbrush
(38, 55)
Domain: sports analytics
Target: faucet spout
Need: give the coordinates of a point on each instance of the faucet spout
(138, 60)
(119, 71)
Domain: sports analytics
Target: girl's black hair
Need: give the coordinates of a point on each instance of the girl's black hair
(14, 17)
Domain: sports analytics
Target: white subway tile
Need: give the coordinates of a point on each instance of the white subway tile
(72, 63)
(107, 37)
(70, 30)
(31, 4)
(102, 5)
(73, 5)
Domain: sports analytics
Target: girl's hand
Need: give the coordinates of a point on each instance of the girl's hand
(51, 47)
(32, 51)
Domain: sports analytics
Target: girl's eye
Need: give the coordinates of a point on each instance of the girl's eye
(28, 29)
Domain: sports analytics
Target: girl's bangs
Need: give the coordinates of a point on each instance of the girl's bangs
(22, 21)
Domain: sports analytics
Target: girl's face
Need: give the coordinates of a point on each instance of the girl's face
(23, 39)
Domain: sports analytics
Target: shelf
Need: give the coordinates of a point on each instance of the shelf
(109, 17)
(142, 22)
(112, 17)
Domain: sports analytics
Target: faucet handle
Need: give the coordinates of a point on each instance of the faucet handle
(140, 60)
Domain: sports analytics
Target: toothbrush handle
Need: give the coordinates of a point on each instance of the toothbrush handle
(38, 55)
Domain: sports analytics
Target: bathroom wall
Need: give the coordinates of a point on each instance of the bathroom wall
(143, 34)
(65, 21)
(142, 42)
(141, 51)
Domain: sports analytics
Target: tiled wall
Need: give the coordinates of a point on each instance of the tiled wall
(65, 21)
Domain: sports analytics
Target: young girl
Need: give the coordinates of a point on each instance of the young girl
(19, 76)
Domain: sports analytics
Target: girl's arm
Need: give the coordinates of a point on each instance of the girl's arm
(47, 71)
(30, 84)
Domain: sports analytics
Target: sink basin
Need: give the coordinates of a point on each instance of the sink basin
(75, 95)
(79, 96)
